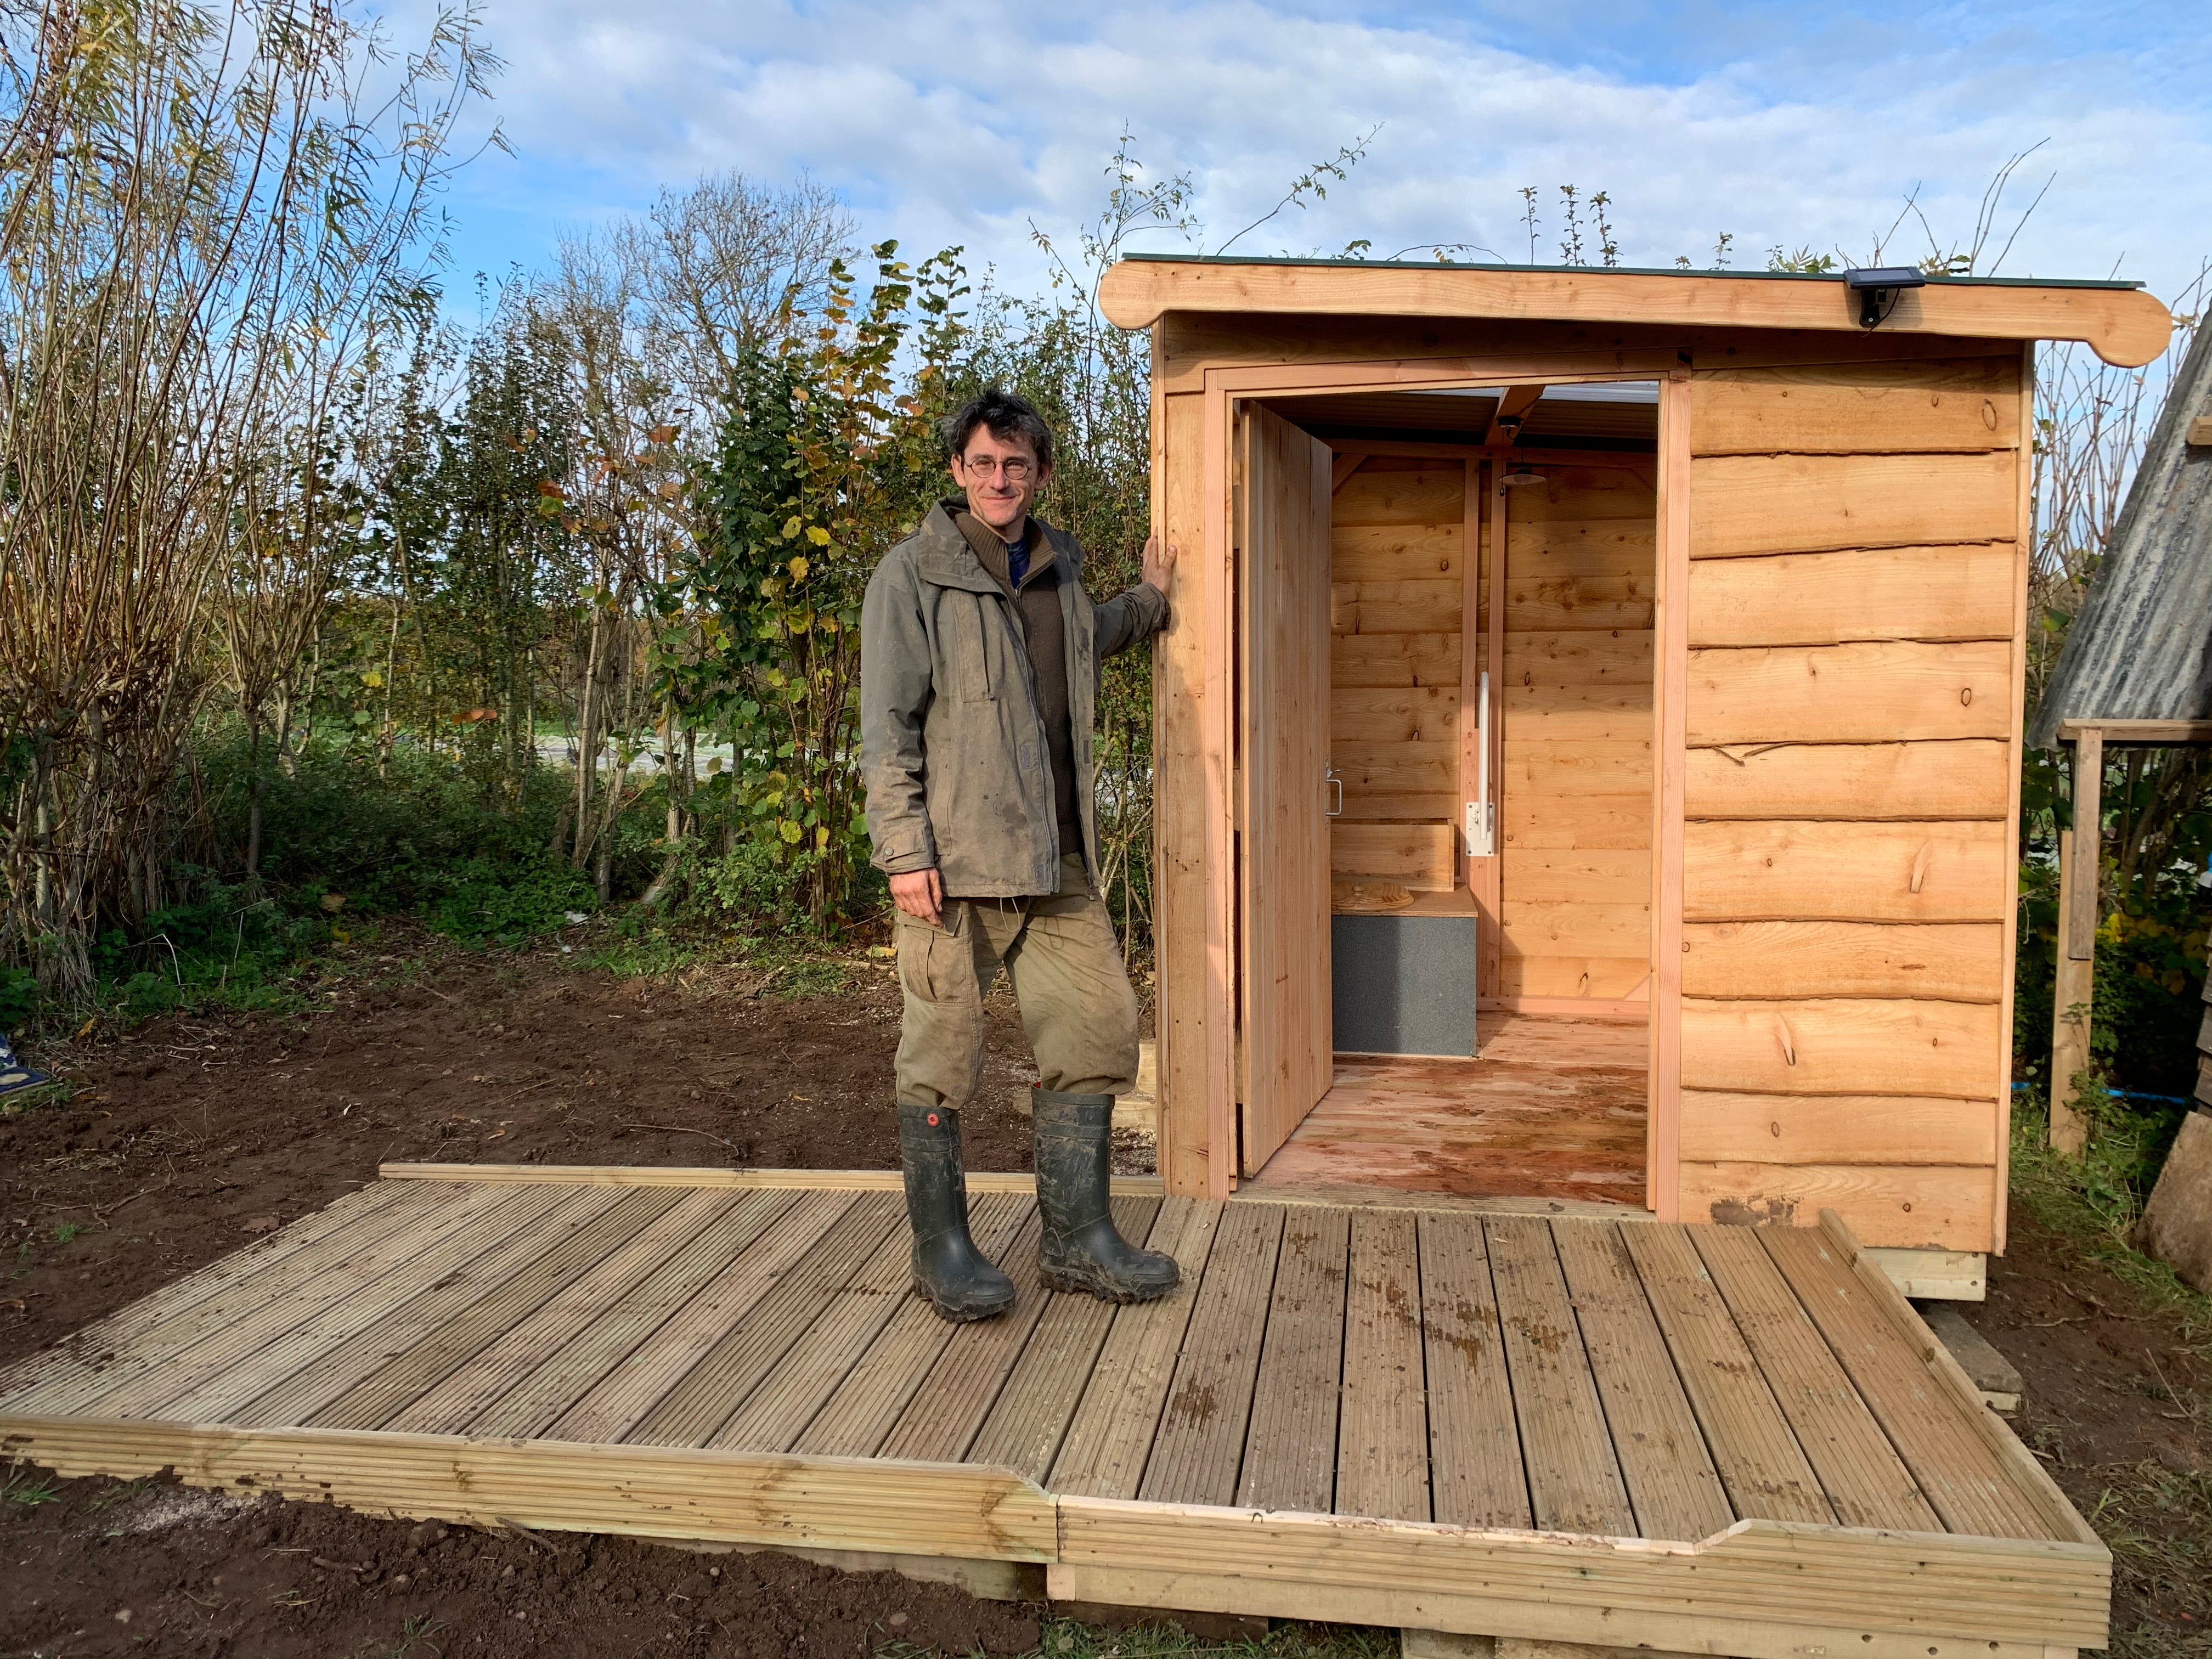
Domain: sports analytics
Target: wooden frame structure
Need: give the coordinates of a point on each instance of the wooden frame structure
(1838, 610)
(1629, 1434)
(2079, 858)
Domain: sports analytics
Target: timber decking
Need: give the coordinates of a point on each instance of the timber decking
(1570, 1428)
(1554, 1107)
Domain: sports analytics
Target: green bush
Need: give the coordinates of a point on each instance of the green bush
(18, 998)
(221, 944)
(402, 840)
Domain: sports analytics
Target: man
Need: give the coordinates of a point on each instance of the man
(979, 655)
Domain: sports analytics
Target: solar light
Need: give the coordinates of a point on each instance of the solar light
(1878, 288)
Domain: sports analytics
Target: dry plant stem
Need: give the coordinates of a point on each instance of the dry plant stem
(205, 219)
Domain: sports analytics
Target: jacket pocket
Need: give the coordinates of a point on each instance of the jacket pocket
(971, 635)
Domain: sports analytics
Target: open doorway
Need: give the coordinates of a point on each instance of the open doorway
(1491, 577)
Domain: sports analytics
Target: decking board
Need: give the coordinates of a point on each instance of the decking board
(866, 1404)
(1382, 1436)
(370, 1403)
(1289, 1457)
(1758, 1457)
(1574, 1472)
(638, 1357)
(1475, 1474)
(1110, 1438)
(1859, 1469)
(1023, 1431)
(1197, 1454)
(295, 1398)
(713, 1390)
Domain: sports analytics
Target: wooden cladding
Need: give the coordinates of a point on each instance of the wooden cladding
(1948, 961)
(1848, 859)
(1851, 693)
(1919, 1129)
(1418, 856)
(1398, 588)
(1922, 780)
(1859, 408)
(1853, 594)
(1807, 870)
(1839, 1045)
(1759, 504)
(1575, 692)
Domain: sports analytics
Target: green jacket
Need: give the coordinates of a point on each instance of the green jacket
(952, 747)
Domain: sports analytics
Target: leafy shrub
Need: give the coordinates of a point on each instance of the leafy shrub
(221, 944)
(18, 998)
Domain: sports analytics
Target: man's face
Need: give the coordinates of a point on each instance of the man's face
(1000, 475)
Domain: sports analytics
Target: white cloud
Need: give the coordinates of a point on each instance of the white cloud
(946, 122)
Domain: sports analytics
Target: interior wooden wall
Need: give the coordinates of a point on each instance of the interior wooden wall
(1398, 568)
(1576, 796)
(1847, 871)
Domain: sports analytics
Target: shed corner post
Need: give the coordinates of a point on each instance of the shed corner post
(1670, 745)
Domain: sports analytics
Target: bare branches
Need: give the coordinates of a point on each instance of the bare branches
(205, 222)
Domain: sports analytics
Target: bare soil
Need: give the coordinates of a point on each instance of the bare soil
(2116, 1408)
(190, 1136)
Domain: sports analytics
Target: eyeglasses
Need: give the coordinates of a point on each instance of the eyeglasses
(1014, 469)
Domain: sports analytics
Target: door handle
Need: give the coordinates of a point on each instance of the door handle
(1336, 783)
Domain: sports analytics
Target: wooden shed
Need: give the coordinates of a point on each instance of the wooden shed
(1712, 895)
(1645, 649)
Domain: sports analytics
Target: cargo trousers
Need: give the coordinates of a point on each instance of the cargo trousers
(1065, 964)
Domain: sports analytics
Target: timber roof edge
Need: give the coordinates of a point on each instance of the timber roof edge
(2125, 325)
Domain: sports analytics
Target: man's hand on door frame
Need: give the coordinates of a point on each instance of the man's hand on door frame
(1160, 563)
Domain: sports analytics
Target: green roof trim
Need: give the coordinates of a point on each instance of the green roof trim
(1605, 271)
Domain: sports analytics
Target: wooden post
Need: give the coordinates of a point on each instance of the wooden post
(2079, 853)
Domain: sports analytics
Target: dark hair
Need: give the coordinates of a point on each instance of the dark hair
(1008, 414)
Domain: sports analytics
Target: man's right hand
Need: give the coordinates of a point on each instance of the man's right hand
(921, 894)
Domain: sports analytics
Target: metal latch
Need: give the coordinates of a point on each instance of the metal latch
(1336, 783)
(1481, 817)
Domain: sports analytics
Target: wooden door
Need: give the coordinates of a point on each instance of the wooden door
(1282, 663)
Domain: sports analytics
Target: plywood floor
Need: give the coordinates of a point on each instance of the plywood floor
(1622, 1380)
(1553, 1108)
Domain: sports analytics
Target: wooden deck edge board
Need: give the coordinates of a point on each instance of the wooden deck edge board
(738, 1498)
(1929, 1584)
(638, 1175)
(1257, 1191)
(1923, 1584)
(1934, 1275)
(2019, 1463)
(1490, 1616)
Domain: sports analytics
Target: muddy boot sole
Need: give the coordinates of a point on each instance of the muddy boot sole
(954, 1316)
(1074, 1282)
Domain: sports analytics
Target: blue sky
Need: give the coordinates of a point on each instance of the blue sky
(1799, 123)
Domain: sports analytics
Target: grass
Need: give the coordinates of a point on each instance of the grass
(414, 1638)
(26, 1486)
(2076, 1201)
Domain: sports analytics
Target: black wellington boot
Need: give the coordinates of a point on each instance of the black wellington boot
(959, 1280)
(1079, 1249)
